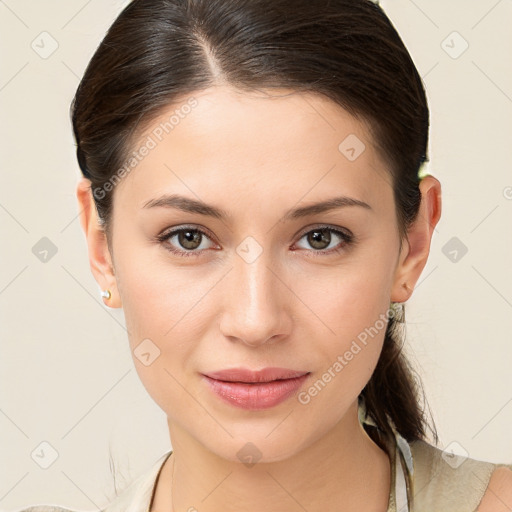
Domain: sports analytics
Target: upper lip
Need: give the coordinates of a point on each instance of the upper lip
(263, 375)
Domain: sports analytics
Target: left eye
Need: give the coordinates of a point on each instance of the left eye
(322, 235)
(191, 240)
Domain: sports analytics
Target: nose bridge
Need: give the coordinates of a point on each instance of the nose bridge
(253, 307)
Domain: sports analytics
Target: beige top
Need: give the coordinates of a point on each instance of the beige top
(423, 479)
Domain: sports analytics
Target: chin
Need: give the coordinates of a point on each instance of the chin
(254, 448)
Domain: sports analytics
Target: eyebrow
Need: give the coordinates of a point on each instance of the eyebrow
(189, 205)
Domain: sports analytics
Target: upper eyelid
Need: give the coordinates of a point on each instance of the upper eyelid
(344, 231)
(166, 234)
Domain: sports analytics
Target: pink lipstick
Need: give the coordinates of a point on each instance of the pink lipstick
(255, 389)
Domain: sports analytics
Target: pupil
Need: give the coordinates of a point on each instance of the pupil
(190, 239)
(317, 236)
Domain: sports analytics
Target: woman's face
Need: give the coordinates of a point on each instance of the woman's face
(259, 287)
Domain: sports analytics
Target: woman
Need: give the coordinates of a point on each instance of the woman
(254, 199)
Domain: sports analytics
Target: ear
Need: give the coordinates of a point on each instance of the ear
(100, 258)
(415, 250)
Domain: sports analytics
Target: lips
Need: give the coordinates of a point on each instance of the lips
(255, 390)
(255, 376)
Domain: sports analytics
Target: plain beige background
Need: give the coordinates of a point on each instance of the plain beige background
(69, 390)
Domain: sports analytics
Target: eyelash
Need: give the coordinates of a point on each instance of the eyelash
(348, 239)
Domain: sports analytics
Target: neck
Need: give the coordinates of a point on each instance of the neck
(344, 466)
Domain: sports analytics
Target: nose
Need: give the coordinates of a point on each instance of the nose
(256, 302)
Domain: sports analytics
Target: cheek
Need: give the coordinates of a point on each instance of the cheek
(350, 298)
(347, 363)
(350, 308)
(157, 297)
(165, 318)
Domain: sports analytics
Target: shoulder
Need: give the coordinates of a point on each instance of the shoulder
(498, 496)
(134, 498)
(137, 496)
(446, 480)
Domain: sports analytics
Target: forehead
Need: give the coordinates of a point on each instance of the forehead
(225, 143)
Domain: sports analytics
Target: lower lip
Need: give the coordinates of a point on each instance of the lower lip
(256, 396)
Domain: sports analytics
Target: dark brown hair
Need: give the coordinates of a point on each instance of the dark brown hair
(158, 52)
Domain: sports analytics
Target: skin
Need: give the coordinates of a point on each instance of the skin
(257, 156)
(498, 496)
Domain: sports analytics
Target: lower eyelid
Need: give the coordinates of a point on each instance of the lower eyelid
(164, 239)
(346, 238)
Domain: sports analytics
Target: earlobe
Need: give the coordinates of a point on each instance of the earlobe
(100, 259)
(416, 248)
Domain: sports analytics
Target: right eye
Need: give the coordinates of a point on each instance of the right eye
(188, 238)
